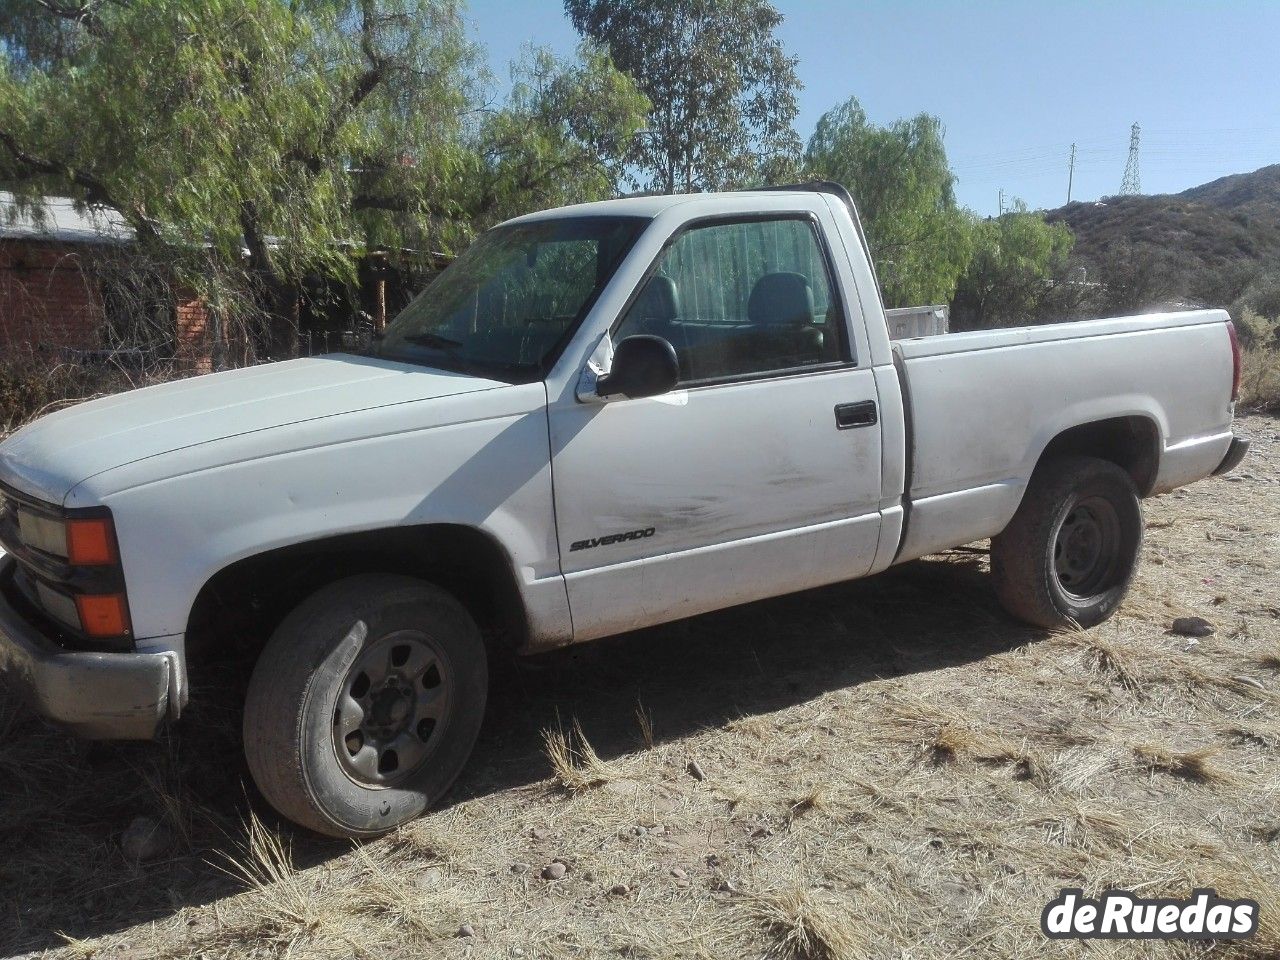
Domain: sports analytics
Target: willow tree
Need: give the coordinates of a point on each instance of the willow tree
(1017, 274)
(255, 143)
(899, 176)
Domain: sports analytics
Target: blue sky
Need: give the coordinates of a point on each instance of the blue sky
(1015, 83)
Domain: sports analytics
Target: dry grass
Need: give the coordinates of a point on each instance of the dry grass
(644, 720)
(1194, 765)
(1109, 661)
(574, 762)
(287, 906)
(814, 799)
(892, 769)
(415, 903)
(1260, 380)
(951, 742)
(800, 925)
(1270, 659)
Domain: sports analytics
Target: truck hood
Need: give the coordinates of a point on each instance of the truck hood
(47, 458)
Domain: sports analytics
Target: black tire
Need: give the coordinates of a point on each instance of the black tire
(294, 720)
(1069, 554)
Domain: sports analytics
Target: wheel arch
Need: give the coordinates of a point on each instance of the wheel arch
(251, 595)
(1131, 442)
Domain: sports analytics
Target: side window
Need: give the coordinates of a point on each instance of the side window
(736, 299)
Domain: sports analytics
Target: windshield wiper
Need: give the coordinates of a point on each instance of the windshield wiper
(433, 340)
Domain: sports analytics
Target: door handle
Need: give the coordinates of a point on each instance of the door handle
(860, 414)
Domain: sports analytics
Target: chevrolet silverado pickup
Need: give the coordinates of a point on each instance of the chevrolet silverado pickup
(598, 418)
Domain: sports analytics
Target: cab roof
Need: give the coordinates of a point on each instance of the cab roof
(650, 206)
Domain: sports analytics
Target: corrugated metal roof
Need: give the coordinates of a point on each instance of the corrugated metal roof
(58, 220)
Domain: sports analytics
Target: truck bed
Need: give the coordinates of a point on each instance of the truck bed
(983, 405)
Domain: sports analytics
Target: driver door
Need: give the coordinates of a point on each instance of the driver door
(759, 475)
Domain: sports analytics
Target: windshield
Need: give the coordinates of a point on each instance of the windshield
(506, 307)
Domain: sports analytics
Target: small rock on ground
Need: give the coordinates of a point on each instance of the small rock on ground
(1192, 627)
(554, 871)
(145, 839)
(695, 770)
(430, 877)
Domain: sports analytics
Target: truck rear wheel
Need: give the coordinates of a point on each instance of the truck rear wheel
(365, 704)
(1069, 554)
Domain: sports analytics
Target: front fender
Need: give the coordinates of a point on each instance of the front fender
(484, 463)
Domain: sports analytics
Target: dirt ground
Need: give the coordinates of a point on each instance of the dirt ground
(886, 768)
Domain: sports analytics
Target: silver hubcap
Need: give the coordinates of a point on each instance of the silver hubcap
(391, 709)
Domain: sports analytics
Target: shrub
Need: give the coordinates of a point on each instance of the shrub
(33, 385)
(1260, 380)
(1256, 330)
(1257, 310)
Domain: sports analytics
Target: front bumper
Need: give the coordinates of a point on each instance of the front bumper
(1235, 453)
(100, 696)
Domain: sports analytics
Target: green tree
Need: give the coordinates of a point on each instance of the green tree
(1018, 261)
(723, 90)
(900, 179)
(254, 143)
(562, 138)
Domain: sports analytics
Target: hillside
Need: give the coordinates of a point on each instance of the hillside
(1203, 244)
(1256, 194)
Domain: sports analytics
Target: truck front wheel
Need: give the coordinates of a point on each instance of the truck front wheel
(365, 704)
(1069, 554)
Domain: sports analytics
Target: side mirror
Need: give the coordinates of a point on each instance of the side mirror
(643, 366)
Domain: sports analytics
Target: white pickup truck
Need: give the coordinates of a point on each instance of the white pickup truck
(598, 418)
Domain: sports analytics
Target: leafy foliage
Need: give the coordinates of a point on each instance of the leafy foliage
(722, 89)
(900, 179)
(255, 143)
(563, 137)
(1010, 278)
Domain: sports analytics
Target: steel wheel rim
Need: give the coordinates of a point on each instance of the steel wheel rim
(1086, 548)
(391, 709)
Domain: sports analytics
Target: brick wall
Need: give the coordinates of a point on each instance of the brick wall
(191, 319)
(50, 300)
(46, 299)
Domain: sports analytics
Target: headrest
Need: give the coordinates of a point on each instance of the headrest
(781, 299)
(660, 299)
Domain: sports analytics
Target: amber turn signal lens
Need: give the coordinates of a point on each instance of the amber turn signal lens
(103, 616)
(89, 543)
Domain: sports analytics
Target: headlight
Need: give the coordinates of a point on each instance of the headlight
(43, 533)
(82, 543)
(68, 564)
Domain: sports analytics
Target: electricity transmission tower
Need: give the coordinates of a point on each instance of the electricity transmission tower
(1132, 184)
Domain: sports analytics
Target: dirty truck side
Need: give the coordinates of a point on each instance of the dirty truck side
(599, 418)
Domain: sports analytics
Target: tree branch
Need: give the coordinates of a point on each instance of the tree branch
(95, 191)
(365, 84)
(402, 204)
(82, 14)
